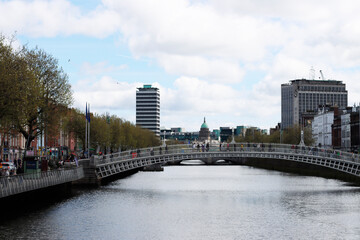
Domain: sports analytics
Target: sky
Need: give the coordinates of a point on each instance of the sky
(220, 59)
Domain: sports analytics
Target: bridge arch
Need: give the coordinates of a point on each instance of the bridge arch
(342, 163)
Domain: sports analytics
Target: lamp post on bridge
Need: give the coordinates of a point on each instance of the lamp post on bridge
(233, 138)
(164, 139)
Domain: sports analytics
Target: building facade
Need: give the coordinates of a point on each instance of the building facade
(345, 132)
(204, 134)
(322, 128)
(355, 130)
(148, 108)
(301, 97)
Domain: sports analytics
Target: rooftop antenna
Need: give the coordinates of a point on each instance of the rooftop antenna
(312, 73)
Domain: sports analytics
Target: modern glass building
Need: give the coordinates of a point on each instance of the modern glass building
(148, 108)
(301, 97)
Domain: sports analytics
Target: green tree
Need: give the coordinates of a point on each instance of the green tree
(44, 108)
(74, 123)
(22, 88)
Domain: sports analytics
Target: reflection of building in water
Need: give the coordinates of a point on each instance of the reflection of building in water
(204, 134)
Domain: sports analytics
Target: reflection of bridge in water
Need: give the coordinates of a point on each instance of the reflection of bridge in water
(346, 164)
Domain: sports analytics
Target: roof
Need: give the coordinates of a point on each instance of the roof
(204, 125)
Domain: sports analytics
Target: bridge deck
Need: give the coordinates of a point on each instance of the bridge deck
(119, 162)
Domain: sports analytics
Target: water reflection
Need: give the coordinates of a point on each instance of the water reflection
(200, 202)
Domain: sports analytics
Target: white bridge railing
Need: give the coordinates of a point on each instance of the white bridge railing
(26, 182)
(111, 164)
(238, 147)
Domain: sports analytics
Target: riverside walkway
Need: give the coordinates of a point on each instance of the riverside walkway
(27, 182)
(101, 167)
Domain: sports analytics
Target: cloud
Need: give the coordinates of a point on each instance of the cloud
(106, 94)
(216, 70)
(100, 68)
(44, 18)
(210, 46)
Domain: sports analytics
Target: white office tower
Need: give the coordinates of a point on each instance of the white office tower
(148, 108)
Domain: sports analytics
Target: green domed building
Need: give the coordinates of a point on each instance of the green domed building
(204, 134)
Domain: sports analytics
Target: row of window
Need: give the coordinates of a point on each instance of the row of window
(323, 88)
(147, 93)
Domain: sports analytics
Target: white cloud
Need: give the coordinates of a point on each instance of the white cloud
(106, 94)
(212, 45)
(45, 18)
(100, 68)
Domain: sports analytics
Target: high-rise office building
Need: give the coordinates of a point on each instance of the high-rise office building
(148, 108)
(301, 98)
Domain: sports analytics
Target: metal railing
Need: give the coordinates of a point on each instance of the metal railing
(10, 185)
(238, 147)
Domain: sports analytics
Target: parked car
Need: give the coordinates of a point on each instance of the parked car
(9, 166)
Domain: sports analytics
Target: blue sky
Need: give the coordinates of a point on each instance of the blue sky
(220, 59)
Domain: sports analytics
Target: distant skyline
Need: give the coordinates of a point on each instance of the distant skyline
(222, 59)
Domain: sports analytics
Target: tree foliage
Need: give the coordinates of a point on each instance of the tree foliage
(109, 133)
(291, 135)
(37, 90)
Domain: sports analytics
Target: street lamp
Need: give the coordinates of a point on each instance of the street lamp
(233, 139)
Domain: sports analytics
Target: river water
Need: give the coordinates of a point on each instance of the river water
(200, 202)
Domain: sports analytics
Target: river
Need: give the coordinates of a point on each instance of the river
(199, 202)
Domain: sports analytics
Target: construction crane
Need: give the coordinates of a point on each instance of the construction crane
(322, 75)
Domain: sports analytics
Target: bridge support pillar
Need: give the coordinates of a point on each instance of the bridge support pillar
(153, 168)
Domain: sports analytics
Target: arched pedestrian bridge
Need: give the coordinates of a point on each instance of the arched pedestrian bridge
(102, 167)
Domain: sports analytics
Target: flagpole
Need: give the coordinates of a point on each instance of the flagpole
(89, 132)
(86, 129)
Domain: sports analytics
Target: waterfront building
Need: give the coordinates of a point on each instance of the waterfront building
(225, 134)
(355, 130)
(204, 134)
(148, 108)
(301, 96)
(240, 131)
(321, 128)
(215, 134)
(345, 131)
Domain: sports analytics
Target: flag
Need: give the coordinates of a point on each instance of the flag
(86, 112)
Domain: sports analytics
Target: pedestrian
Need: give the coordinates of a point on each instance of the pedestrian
(160, 150)
(207, 147)
(198, 147)
(220, 146)
(166, 149)
(138, 152)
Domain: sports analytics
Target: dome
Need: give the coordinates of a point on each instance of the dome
(204, 125)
